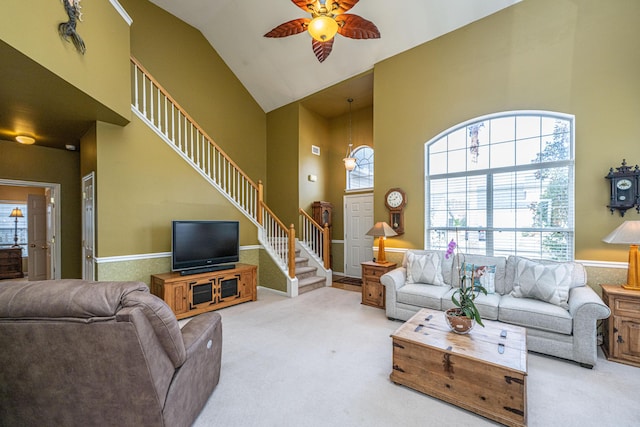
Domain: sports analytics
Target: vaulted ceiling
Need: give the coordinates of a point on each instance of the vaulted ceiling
(279, 71)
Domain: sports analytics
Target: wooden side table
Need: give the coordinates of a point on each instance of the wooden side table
(622, 329)
(373, 292)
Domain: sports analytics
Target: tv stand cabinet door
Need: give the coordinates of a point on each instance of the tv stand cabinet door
(180, 295)
(175, 294)
(247, 283)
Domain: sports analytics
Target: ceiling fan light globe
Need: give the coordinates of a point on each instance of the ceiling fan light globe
(323, 28)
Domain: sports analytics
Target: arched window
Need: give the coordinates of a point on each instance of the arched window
(503, 184)
(362, 176)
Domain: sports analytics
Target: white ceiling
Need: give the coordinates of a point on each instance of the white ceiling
(279, 71)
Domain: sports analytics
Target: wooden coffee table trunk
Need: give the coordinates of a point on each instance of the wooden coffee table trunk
(483, 371)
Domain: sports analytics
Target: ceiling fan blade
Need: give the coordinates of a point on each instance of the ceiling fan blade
(343, 5)
(356, 27)
(304, 4)
(290, 28)
(322, 49)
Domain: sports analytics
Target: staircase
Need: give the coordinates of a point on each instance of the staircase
(308, 279)
(155, 107)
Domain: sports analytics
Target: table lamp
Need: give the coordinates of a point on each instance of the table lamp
(629, 233)
(381, 230)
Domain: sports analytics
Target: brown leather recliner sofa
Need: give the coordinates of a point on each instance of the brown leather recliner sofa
(80, 353)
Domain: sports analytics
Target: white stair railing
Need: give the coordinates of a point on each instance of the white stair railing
(154, 106)
(315, 238)
(280, 239)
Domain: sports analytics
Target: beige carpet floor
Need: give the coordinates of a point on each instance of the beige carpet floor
(323, 359)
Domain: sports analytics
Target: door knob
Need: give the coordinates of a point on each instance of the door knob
(32, 245)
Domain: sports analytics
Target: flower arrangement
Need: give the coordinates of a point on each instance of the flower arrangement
(469, 289)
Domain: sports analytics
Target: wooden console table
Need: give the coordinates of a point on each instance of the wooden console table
(198, 293)
(11, 263)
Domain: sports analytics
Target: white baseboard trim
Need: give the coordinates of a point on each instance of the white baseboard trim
(137, 257)
(140, 257)
(603, 264)
(586, 263)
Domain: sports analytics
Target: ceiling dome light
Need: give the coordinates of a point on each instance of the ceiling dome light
(23, 139)
(323, 28)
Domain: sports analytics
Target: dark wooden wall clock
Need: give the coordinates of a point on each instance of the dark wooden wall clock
(396, 200)
(624, 186)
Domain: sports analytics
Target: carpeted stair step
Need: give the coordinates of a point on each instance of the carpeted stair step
(301, 262)
(304, 272)
(310, 283)
(306, 275)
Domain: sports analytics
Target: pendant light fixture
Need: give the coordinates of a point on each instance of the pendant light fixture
(349, 161)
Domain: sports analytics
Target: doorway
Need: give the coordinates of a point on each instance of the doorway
(358, 219)
(88, 227)
(42, 227)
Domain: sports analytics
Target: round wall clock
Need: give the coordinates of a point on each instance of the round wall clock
(395, 198)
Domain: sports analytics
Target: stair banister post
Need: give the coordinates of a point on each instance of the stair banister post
(260, 201)
(326, 244)
(292, 251)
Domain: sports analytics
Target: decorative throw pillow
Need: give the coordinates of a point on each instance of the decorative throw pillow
(548, 282)
(483, 275)
(424, 268)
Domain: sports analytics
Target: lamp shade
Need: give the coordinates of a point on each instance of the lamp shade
(16, 213)
(627, 233)
(381, 229)
(349, 163)
(323, 28)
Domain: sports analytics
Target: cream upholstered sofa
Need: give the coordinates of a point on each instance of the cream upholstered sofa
(78, 353)
(550, 299)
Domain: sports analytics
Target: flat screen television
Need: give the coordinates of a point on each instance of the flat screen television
(201, 246)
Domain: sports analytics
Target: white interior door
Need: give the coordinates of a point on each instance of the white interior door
(88, 227)
(50, 197)
(39, 261)
(358, 219)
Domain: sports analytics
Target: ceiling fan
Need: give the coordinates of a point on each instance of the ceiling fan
(328, 17)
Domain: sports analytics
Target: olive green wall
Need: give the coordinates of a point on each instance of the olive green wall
(142, 184)
(102, 72)
(573, 56)
(89, 151)
(282, 162)
(361, 134)
(184, 63)
(292, 130)
(48, 165)
(19, 194)
(314, 130)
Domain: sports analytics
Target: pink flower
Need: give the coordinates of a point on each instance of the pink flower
(450, 249)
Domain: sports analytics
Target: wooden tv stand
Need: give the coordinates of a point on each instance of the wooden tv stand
(197, 293)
